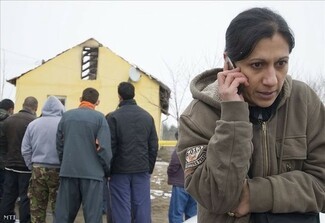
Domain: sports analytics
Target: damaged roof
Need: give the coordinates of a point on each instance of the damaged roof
(164, 89)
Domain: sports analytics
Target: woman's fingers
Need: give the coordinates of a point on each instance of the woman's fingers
(228, 83)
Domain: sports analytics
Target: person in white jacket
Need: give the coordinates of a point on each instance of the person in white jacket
(40, 155)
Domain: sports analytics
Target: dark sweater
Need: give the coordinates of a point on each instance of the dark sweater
(175, 172)
(83, 144)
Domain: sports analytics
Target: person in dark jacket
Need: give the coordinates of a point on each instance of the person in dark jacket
(135, 146)
(182, 206)
(6, 109)
(17, 174)
(84, 149)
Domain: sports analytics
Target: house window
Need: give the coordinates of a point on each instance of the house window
(89, 63)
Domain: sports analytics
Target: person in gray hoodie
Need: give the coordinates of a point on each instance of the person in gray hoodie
(39, 152)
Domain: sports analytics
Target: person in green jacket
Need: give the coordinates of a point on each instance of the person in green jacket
(83, 143)
(252, 141)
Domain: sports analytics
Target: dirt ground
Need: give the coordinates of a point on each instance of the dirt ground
(160, 191)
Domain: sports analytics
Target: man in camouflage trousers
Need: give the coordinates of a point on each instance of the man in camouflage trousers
(40, 155)
(41, 196)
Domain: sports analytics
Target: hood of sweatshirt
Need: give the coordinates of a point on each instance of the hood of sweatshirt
(204, 87)
(53, 107)
(3, 114)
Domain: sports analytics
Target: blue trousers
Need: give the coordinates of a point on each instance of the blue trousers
(182, 205)
(130, 198)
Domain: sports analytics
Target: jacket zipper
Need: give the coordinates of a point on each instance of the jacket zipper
(266, 156)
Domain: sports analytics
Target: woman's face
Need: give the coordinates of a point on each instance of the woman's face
(265, 68)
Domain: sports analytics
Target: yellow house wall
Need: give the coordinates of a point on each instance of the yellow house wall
(61, 76)
(112, 71)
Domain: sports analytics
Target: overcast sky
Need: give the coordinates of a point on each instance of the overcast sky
(179, 34)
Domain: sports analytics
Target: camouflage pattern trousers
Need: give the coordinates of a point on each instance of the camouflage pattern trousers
(42, 190)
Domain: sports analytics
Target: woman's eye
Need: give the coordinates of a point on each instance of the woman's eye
(282, 63)
(256, 65)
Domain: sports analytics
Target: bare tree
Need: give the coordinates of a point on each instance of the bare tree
(181, 79)
(180, 82)
(317, 84)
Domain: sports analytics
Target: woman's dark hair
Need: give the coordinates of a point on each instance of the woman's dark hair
(126, 90)
(252, 25)
(90, 94)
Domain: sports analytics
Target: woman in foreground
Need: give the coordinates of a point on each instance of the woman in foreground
(252, 142)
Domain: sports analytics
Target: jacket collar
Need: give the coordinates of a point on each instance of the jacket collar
(127, 102)
(27, 111)
(3, 114)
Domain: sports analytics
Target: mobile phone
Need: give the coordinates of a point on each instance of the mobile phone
(231, 66)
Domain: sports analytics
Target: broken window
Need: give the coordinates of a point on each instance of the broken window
(89, 63)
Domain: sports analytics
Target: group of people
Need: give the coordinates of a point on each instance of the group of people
(251, 143)
(63, 158)
(66, 156)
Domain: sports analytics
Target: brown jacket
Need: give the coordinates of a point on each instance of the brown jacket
(283, 158)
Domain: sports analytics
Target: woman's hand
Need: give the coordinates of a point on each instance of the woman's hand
(243, 207)
(228, 83)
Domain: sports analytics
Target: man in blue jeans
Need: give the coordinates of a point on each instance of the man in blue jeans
(182, 205)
